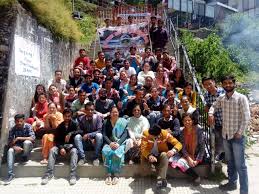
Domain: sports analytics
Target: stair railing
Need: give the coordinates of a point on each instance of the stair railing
(184, 63)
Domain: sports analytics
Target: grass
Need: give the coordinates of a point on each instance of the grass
(88, 28)
(56, 16)
(7, 3)
(85, 7)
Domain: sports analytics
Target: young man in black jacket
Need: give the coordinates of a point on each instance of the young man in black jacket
(64, 139)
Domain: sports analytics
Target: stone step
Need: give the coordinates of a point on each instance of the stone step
(35, 169)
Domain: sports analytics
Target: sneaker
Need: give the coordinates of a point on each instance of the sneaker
(197, 181)
(72, 180)
(228, 187)
(25, 159)
(46, 178)
(115, 180)
(108, 180)
(9, 180)
(96, 162)
(161, 183)
(81, 162)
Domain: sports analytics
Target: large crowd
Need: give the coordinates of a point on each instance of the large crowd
(137, 109)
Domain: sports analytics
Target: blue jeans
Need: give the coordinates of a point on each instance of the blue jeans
(235, 156)
(153, 117)
(27, 147)
(52, 159)
(82, 144)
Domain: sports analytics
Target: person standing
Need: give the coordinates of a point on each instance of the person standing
(210, 96)
(236, 116)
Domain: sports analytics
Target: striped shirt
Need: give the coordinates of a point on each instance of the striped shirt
(235, 114)
(210, 99)
(15, 132)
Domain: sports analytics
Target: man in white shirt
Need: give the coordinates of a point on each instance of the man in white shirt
(129, 70)
(58, 81)
(236, 116)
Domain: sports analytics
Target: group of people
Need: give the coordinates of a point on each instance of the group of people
(134, 110)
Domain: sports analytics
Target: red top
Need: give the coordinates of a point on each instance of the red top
(84, 60)
(41, 109)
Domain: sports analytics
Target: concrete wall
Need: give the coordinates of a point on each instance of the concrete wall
(18, 90)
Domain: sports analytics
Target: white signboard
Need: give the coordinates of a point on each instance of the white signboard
(27, 57)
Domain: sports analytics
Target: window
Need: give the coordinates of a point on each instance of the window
(257, 3)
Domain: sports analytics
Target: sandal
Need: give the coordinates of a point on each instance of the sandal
(108, 180)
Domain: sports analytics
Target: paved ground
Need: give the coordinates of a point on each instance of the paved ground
(130, 185)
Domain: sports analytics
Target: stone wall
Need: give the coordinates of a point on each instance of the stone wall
(7, 26)
(18, 90)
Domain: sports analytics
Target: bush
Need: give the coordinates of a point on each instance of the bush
(209, 56)
(88, 28)
(56, 16)
(7, 3)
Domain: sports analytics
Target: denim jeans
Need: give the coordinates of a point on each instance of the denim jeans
(153, 117)
(218, 140)
(235, 156)
(82, 144)
(27, 147)
(52, 159)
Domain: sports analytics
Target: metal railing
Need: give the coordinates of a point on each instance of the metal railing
(124, 10)
(184, 63)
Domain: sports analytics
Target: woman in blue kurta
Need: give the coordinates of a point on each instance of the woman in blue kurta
(115, 134)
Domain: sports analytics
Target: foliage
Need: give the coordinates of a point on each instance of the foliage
(85, 7)
(6, 3)
(56, 16)
(209, 56)
(88, 28)
(135, 2)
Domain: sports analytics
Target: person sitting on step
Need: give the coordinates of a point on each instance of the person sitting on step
(64, 140)
(20, 141)
(137, 124)
(193, 149)
(51, 121)
(115, 135)
(90, 134)
(155, 152)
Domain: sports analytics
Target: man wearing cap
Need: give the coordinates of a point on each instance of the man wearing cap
(20, 141)
(155, 152)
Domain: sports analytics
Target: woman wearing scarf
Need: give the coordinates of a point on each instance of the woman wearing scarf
(51, 121)
(137, 124)
(193, 149)
(115, 134)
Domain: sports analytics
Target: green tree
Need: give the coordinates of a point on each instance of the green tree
(209, 56)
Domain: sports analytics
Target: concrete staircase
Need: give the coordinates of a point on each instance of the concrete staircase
(33, 168)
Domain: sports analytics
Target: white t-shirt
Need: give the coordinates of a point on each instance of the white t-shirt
(130, 71)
